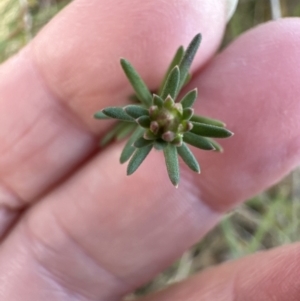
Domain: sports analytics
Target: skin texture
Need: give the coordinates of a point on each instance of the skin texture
(89, 232)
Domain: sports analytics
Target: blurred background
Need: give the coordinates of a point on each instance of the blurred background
(266, 221)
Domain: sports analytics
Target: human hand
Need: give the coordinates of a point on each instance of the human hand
(88, 231)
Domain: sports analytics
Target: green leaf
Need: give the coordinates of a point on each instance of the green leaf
(187, 113)
(208, 130)
(171, 85)
(128, 149)
(100, 115)
(176, 60)
(197, 141)
(202, 119)
(125, 131)
(160, 144)
(140, 88)
(136, 111)
(141, 142)
(188, 157)
(171, 159)
(111, 134)
(188, 99)
(144, 121)
(138, 157)
(216, 145)
(187, 59)
(157, 101)
(117, 113)
(187, 79)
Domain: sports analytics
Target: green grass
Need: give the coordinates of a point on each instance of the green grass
(266, 221)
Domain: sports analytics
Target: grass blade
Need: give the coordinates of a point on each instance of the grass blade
(208, 130)
(138, 157)
(129, 149)
(171, 85)
(189, 99)
(171, 158)
(197, 141)
(187, 156)
(139, 86)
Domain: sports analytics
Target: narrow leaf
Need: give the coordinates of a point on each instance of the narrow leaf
(176, 60)
(188, 99)
(100, 115)
(187, 113)
(216, 145)
(117, 113)
(197, 141)
(188, 59)
(128, 149)
(171, 159)
(157, 101)
(208, 130)
(187, 79)
(138, 157)
(141, 142)
(139, 86)
(160, 144)
(188, 157)
(111, 134)
(202, 119)
(171, 85)
(125, 131)
(144, 121)
(136, 111)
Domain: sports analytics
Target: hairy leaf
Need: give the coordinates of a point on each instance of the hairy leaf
(138, 157)
(171, 85)
(144, 121)
(100, 115)
(188, 157)
(187, 113)
(117, 113)
(126, 129)
(129, 149)
(111, 134)
(136, 111)
(141, 142)
(176, 61)
(216, 145)
(139, 86)
(197, 141)
(157, 101)
(187, 59)
(202, 119)
(208, 130)
(171, 159)
(188, 99)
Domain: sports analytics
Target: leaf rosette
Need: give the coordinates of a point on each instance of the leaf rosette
(158, 120)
